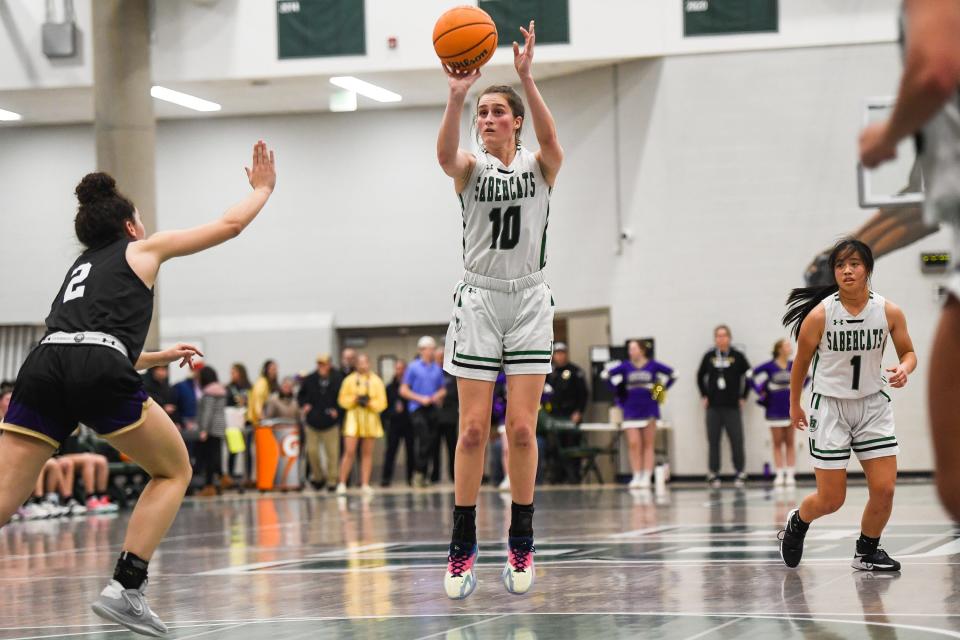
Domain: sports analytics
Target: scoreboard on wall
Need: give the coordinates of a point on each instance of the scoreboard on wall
(724, 17)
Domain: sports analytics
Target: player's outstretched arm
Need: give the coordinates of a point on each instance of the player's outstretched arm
(811, 331)
(454, 161)
(930, 77)
(550, 155)
(147, 255)
(181, 351)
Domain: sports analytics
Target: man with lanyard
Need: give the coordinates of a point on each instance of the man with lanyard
(722, 382)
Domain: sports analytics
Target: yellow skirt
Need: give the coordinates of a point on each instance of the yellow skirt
(362, 423)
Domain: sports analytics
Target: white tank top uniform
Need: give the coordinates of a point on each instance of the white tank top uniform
(849, 409)
(503, 309)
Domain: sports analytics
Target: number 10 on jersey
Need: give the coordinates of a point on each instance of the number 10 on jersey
(506, 227)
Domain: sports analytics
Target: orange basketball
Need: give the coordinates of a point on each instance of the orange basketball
(465, 38)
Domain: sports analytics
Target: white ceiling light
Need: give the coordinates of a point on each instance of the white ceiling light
(9, 116)
(366, 89)
(183, 99)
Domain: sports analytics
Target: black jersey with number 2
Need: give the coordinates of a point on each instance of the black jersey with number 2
(102, 293)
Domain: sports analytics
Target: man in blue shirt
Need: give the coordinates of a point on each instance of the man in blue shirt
(423, 390)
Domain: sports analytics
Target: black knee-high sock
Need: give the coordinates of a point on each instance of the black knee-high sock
(465, 525)
(521, 520)
(131, 570)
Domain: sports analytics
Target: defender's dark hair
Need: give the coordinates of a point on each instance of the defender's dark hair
(803, 300)
(208, 375)
(513, 100)
(103, 213)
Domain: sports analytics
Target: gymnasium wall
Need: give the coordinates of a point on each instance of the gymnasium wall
(237, 39)
(733, 174)
(737, 170)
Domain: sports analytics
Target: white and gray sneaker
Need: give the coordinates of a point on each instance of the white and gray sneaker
(876, 561)
(128, 607)
(76, 509)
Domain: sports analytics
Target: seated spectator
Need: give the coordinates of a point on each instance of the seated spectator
(49, 500)
(77, 458)
(212, 424)
(364, 397)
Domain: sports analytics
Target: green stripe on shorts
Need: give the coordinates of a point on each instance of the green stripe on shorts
(510, 354)
(478, 358)
(874, 441)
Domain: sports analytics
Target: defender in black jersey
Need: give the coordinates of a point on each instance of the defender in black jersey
(85, 370)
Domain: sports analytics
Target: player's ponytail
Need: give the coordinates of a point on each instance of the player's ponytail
(803, 300)
(103, 213)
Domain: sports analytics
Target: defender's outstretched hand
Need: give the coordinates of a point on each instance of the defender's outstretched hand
(263, 175)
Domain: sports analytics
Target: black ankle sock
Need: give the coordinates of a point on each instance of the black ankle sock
(867, 545)
(521, 520)
(798, 525)
(131, 570)
(465, 524)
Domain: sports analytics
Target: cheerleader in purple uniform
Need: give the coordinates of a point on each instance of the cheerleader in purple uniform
(640, 383)
(771, 381)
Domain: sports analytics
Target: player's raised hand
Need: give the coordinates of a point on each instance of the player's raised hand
(523, 60)
(263, 173)
(460, 81)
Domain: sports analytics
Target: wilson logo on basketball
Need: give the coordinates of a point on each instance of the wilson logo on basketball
(469, 63)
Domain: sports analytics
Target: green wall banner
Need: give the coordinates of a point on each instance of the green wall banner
(318, 28)
(717, 17)
(552, 16)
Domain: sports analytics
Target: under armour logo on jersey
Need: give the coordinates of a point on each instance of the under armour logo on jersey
(836, 322)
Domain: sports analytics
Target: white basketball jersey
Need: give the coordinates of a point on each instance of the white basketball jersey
(849, 360)
(505, 213)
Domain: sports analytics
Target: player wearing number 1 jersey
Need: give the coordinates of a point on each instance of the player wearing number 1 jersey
(502, 309)
(842, 331)
(85, 370)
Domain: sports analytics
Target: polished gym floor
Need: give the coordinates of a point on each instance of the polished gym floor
(690, 563)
